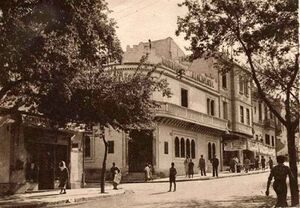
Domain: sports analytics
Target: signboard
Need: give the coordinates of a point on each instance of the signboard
(234, 145)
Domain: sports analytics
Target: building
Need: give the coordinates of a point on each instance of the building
(184, 125)
(209, 113)
(30, 154)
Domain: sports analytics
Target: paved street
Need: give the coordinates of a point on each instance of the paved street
(244, 191)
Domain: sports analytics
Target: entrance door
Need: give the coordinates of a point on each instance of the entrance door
(140, 150)
(46, 166)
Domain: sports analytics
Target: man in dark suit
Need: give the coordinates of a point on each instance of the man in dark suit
(215, 165)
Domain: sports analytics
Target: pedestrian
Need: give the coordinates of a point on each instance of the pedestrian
(202, 165)
(280, 173)
(236, 163)
(270, 163)
(232, 165)
(64, 177)
(115, 171)
(147, 173)
(247, 165)
(191, 169)
(215, 165)
(263, 163)
(256, 163)
(151, 171)
(186, 165)
(172, 176)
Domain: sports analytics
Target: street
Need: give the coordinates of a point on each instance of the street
(244, 191)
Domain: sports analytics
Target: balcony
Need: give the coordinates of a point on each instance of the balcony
(269, 123)
(177, 112)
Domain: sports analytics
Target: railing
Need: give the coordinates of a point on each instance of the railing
(269, 123)
(181, 113)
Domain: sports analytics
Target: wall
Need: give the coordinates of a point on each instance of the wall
(167, 133)
(93, 164)
(4, 156)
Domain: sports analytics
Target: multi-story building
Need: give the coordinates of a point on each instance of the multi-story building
(209, 113)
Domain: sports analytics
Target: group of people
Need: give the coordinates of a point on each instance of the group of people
(189, 166)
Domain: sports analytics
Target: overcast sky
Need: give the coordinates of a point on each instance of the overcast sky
(140, 20)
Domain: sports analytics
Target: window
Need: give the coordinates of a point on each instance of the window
(177, 147)
(266, 112)
(273, 141)
(267, 137)
(224, 81)
(193, 147)
(241, 85)
(271, 116)
(210, 107)
(87, 146)
(242, 114)
(254, 109)
(111, 147)
(166, 148)
(209, 151)
(248, 116)
(184, 98)
(225, 110)
(246, 88)
(259, 111)
(182, 147)
(188, 148)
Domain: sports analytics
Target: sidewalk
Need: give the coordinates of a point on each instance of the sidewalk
(51, 198)
(198, 177)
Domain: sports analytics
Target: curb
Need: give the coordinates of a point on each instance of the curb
(60, 202)
(200, 179)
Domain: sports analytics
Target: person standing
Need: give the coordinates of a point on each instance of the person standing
(191, 169)
(64, 177)
(172, 176)
(263, 163)
(280, 173)
(270, 163)
(150, 171)
(256, 163)
(236, 163)
(247, 165)
(186, 165)
(215, 165)
(147, 173)
(202, 165)
(114, 170)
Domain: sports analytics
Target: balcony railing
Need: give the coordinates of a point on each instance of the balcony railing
(269, 123)
(181, 113)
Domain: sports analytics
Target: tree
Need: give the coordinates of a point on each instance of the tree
(54, 59)
(263, 37)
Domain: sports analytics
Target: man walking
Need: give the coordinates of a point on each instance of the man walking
(172, 176)
(202, 166)
(280, 173)
(256, 162)
(215, 164)
(247, 165)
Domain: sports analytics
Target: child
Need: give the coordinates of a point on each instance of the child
(172, 176)
(64, 177)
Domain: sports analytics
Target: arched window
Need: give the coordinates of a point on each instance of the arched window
(193, 149)
(182, 147)
(209, 151)
(188, 148)
(177, 147)
(213, 149)
(87, 146)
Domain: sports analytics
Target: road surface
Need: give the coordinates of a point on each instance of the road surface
(242, 191)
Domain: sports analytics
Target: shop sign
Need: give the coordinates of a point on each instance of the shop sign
(253, 146)
(234, 145)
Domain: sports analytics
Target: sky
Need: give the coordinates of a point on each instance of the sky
(141, 20)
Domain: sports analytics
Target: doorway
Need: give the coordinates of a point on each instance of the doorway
(140, 150)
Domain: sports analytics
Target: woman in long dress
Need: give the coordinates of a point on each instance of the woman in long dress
(64, 177)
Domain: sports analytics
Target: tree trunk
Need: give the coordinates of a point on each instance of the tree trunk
(293, 166)
(103, 170)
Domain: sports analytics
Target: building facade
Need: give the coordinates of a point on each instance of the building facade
(30, 154)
